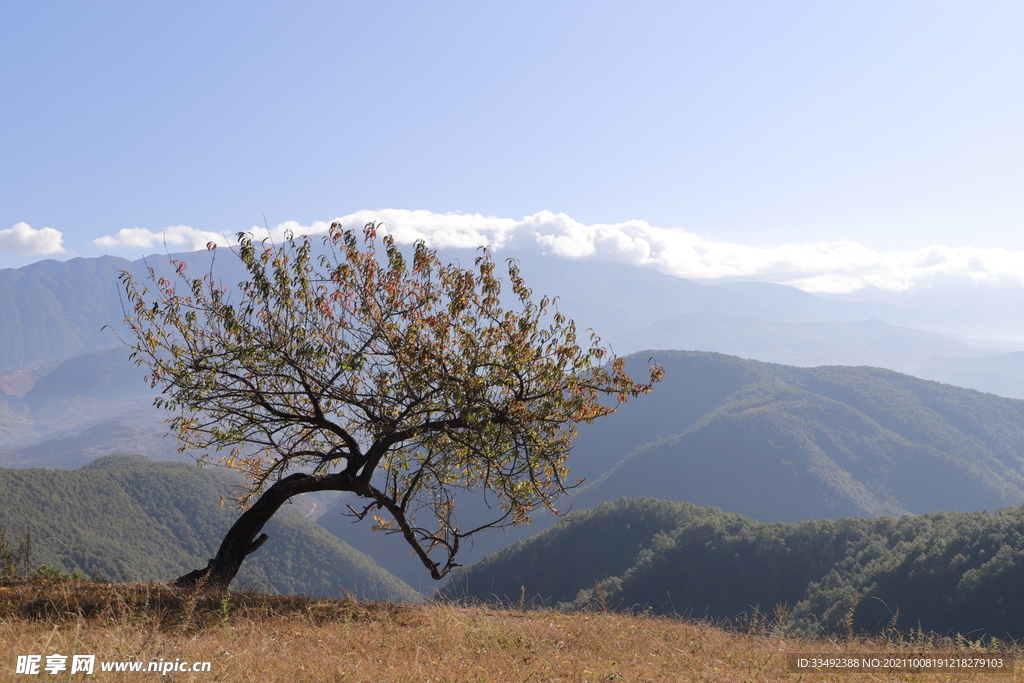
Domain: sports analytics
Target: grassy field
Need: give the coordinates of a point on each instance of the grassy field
(252, 637)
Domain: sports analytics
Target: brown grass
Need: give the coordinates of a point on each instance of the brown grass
(251, 637)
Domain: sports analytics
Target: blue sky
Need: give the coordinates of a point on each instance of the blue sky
(820, 144)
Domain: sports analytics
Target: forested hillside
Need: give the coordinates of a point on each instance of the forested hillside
(780, 443)
(123, 517)
(777, 443)
(945, 572)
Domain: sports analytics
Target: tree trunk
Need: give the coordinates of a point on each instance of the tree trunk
(244, 537)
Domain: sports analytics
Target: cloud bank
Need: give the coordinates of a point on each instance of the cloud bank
(22, 239)
(842, 266)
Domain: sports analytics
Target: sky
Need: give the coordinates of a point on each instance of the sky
(832, 146)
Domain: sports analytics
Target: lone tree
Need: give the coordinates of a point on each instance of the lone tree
(402, 383)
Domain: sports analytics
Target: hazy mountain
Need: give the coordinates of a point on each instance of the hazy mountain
(866, 342)
(106, 438)
(616, 298)
(945, 572)
(949, 307)
(16, 383)
(1002, 374)
(66, 410)
(636, 308)
(53, 311)
(105, 375)
(123, 516)
(782, 302)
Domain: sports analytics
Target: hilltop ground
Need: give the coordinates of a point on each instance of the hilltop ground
(252, 637)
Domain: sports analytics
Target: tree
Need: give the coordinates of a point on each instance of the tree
(358, 371)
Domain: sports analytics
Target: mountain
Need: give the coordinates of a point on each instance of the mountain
(106, 438)
(775, 443)
(635, 308)
(126, 517)
(101, 375)
(982, 310)
(864, 342)
(616, 298)
(16, 383)
(943, 572)
(786, 444)
(56, 310)
(64, 414)
(1002, 374)
(53, 311)
(786, 303)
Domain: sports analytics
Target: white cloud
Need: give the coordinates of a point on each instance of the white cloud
(178, 236)
(185, 238)
(278, 233)
(439, 230)
(824, 266)
(22, 239)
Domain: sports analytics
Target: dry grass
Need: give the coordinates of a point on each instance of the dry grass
(251, 637)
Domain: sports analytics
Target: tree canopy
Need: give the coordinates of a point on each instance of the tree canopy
(402, 380)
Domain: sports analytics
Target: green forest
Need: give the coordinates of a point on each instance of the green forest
(943, 572)
(125, 518)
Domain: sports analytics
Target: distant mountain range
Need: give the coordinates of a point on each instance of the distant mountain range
(1002, 374)
(65, 414)
(807, 344)
(65, 374)
(53, 311)
(106, 438)
(124, 517)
